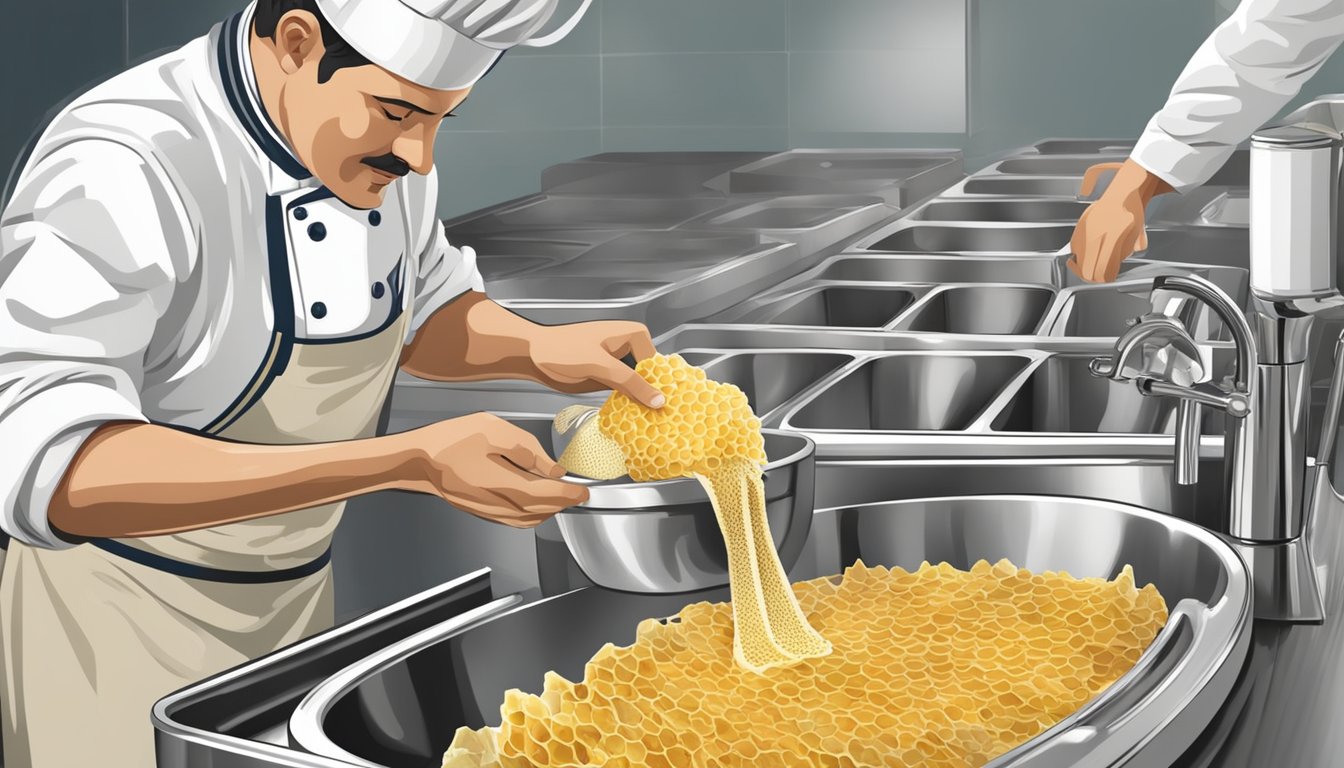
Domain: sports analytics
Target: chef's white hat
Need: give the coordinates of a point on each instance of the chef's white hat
(443, 44)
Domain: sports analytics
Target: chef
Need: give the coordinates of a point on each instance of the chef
(1239, 79)
(211, 268)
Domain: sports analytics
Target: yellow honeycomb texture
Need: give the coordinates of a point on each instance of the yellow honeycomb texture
(703, 424)
(705, 430)
(937, 667)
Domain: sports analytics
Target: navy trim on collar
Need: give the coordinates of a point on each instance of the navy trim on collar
(257, 124)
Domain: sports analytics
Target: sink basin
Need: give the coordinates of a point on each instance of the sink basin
(909, 391)
(1084, 146)
(978, 309)
(771, 379)
(813, 222)
(381, 711)
(1051, 166)
(837, 305)
(1105, 310)
(1036, 186)
(899, 176)
(620, 212)
(1061, 395)
(937, 269)
(1025, 210)
(926, 238)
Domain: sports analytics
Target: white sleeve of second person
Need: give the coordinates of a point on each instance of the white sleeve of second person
(445, 271)
(87, 247)
(1252, 65)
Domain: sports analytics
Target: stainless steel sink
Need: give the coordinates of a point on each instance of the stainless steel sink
(1106, 310)
(380, 712)
(899, 392)
(1033, 186)
(1062, 395)
(970, 238)
(814, 223)
(620, 212)
(935, 269)
(978, 309)
(837, 305)
(694, 282)
(1051, 166)
(898, 176)
(659, 250)
(1083, 146)
(771, 379)
(1008, 210)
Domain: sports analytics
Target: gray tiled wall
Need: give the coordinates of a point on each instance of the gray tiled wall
(986, 75)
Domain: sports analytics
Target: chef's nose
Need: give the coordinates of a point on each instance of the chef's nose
(416, 147)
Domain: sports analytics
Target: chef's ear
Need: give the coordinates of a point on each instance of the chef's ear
(298, 40)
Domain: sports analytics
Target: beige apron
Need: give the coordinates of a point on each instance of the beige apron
(93, 638)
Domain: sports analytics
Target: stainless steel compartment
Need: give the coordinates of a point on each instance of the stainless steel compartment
(1062, 395)
(979, 309)
(696, 281)
(1034, 186)
(814, 222)
(900, 177)
(1050, 166)
(969, 238)
(908, 391)
(1106, 310)
(771, 379)
(836, 305)
(936, 269)
(401, 705)
(1008, 210)
(1083, 146)
(565, 212)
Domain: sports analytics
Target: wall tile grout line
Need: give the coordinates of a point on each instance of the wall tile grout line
(788, 76)
(601, 76)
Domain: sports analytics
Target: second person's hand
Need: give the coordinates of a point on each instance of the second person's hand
(490, 468)
(1112, 228)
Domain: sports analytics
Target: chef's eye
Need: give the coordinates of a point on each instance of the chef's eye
(392, 117)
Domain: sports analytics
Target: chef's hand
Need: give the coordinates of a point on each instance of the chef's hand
(1112, 228)
(484, 465)
(586, 357)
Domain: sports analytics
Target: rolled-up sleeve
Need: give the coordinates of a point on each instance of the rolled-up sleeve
(85, 275)
(1252, 65)
(444, 270)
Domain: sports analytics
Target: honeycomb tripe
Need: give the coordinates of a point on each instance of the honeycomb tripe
(705, 430)
(935, 667)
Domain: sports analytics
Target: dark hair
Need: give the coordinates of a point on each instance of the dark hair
(338, 54)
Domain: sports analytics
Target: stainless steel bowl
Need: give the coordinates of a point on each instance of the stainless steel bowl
(663, 536)
(401, 705)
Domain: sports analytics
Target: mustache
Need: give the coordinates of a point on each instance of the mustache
(388, 163)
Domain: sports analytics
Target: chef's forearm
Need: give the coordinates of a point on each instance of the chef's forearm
(1134, 182)
(471, 339)
(131, 480)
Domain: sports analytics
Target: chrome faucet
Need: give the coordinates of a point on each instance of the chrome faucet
(1160, 356)
(1295, 277)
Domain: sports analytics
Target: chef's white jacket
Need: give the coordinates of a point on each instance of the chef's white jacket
(1252, 65)
(144, 248)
